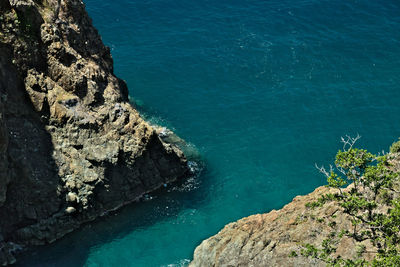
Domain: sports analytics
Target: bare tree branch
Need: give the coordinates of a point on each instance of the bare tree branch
(349, 141)
(323, 170)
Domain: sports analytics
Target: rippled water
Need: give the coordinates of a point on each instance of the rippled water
(263, 90)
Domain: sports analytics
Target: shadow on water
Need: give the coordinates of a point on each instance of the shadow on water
(161, 205)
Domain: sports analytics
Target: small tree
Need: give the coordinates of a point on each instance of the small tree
(370, 201)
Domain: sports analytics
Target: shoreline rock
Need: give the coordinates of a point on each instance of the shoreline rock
(72, 147)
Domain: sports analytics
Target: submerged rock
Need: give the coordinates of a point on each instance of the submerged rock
(70, 210)
(71, 145)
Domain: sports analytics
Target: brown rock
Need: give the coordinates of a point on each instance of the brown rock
(71, 145)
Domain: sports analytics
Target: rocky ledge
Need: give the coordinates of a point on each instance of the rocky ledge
(277, 238)
(71, 145)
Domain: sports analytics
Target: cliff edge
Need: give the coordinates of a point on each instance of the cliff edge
(71, 145)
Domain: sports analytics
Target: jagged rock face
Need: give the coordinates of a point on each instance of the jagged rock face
(71, 145)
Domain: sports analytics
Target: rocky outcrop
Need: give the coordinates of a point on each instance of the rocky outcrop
(279, 237)
(271, 239)
(71, 145)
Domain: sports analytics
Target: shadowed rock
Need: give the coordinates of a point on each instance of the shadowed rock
(71, 145)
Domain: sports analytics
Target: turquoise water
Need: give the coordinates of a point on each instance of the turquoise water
(263, 90)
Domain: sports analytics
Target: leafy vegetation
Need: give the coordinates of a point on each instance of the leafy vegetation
(395, 148)
(370, 201)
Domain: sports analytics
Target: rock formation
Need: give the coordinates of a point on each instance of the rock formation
(278, 237)
(71, 145)
(268, 239)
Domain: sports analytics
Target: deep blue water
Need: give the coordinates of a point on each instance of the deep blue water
(263, 90)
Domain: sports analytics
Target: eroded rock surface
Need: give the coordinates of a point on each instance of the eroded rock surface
(71, 145)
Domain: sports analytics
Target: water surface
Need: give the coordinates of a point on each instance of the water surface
(263, 90)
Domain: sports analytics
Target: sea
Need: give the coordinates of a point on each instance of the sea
(260, 90)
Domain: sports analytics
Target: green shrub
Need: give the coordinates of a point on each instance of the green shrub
(395, 148)
(372, 178)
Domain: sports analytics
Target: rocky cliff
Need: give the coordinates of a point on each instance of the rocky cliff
(71, 145)
(277, 238)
